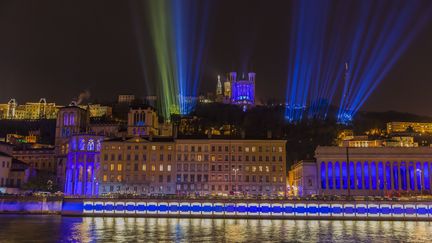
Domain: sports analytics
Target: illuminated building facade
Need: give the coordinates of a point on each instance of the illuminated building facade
(37, 158)
(29, 111)
(374, 171)
(5, 164)
(303, 178)
(158, 165)
(97, 110)
(223, 167)
(142, 121)
(44, 110)
(237, 91)
(71, 120)
(415, 127)
(82, 166)
(137, 165)
(126, 98)
(243, 91)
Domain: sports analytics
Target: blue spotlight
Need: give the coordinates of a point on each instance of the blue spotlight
(312, 76)
(190, 22)
(383, 31)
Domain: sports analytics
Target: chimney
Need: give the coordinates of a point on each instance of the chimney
(243, 134)
(269, 134)
(175, 132)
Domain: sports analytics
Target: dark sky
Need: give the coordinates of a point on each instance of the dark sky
(56, 49)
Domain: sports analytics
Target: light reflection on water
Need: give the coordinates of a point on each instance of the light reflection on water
(14, 228)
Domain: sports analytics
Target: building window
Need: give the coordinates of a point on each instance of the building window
(330, 175)
(373, 175)
(98, 145)
(366, 175)
(90, 145)
(72, 119)
(160, 167)
(381, 175)
(112, 167)
(359, 175)
(323, 175)
(388, 176)
(396, 175)
(352, 175)
(66, 119)
(419, 176)
(337, 175)
(403, 173)
(119, 167)
(82, 144)
(426, 176)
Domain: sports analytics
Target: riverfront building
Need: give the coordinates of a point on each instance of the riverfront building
(82, 165)
(222, 166)
(374, 171)
(303, 178)
(158, 165)
(37, 158)
(137, 165)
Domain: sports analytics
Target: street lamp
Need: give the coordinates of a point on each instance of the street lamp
(235, 179)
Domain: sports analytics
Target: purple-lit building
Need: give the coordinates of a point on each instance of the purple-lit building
(243, 91)
(374, 171)
(237, 91)
(82, 165)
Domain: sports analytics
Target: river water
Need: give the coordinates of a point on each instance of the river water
(44, 228)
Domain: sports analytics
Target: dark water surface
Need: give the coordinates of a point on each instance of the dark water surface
(43, 228)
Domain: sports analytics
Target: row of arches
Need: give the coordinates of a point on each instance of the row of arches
(413, 176)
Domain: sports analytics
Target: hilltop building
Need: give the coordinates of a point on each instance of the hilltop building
(237, 91)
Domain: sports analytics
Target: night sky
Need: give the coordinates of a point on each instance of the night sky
(56, 49)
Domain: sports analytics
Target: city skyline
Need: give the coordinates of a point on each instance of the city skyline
(108, 55)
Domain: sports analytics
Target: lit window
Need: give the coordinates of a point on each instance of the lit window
(153, 147)
(168, 167)
(246, 149)
(199, 157)
(119, 178)
(253, 168)
(253, 149)
(105, 178)
(267, 169)
(112, 167)
(119, 167)
(153, 168)
(160, 167)
(90, 145)
(260, 168)
(82, 144)
(98, 145)
(65, 119)
(144, 167)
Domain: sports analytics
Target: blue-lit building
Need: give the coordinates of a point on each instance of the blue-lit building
(237, 91)
(82, 165)
(374, 171)
(243, 91)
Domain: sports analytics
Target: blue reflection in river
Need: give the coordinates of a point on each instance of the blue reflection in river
(15, 228)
